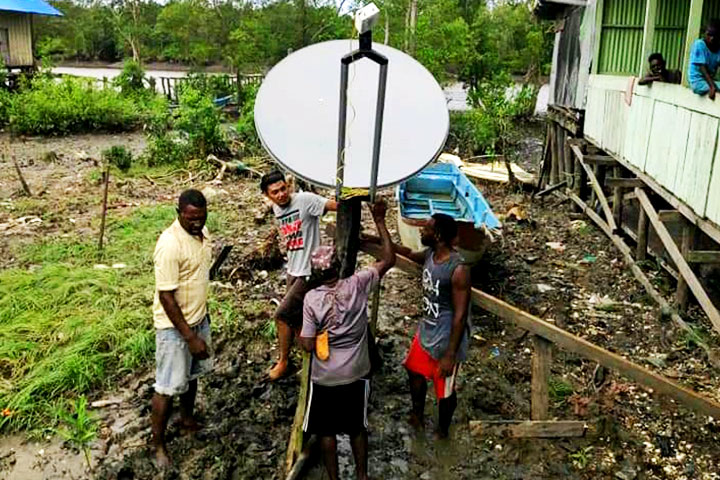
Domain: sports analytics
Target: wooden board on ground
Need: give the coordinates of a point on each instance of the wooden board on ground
(295, 445)
(682, 265)
(497, 172)
(529, 428)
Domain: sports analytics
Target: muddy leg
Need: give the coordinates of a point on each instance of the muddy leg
(161, 409)
(418, 391)
(328, 445)
(446, 406)
(187, 406)
(285, 335)
(359, 443)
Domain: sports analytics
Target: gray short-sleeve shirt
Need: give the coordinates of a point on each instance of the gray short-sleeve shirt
(342, 311)
(300, 229)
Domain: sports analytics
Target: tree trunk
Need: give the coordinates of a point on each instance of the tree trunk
(387, 28)
(406, 33)
(413, 24)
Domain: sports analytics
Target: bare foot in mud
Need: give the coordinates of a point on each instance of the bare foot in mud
(190, 425)
(417, 423)
(162, 459)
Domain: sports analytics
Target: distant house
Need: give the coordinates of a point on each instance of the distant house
(16, 30)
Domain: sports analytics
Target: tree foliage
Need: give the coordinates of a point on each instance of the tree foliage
(467, 39)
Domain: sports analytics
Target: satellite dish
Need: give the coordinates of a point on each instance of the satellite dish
(296, 115)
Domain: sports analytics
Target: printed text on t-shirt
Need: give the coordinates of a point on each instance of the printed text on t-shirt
(291, 230)
(431, 308)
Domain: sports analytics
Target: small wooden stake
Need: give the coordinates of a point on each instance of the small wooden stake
(106, 180)
(542, 356)
(25, 187)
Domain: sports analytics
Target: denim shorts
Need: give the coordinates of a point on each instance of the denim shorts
(174, 366)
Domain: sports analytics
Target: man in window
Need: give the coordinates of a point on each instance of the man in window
(704, 60)
(658, 71)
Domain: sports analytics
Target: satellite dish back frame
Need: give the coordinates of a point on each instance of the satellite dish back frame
(364, 51)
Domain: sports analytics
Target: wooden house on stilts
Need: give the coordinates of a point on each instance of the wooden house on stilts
(16, 31)
(642, 161)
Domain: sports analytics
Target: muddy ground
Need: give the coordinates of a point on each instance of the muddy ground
(555, 266)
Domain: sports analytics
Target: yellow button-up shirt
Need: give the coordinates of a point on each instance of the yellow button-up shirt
(182, 263)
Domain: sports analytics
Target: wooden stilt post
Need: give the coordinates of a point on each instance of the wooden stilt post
(617, 198)
(347, 235)
(686, 245)
(569, 162)
(642, 236)
(562, 167)
(555, 156)
(542, 357)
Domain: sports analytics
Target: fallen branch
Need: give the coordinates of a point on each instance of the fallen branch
(25, 186)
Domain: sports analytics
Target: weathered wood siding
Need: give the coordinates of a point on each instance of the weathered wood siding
(20, 38)
(667, 132)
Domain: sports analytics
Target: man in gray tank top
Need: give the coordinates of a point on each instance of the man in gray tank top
(441, 341)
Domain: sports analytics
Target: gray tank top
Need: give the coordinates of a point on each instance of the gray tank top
(436, 324)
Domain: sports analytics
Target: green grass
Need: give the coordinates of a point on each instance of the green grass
(67, 328)
(559, 389)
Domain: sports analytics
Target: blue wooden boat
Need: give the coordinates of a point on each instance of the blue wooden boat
(443, 188)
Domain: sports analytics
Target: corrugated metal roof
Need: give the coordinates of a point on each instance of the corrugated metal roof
(38, 7)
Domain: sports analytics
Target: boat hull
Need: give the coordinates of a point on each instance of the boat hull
(443, 188)
(471, 244)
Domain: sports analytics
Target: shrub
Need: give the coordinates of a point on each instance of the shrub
(200, 120)
(119, 157)
(214, 86)
(5, 102)
(246, 122)
(485, 128)
(472, 132)
(71, 105)
(131, 80)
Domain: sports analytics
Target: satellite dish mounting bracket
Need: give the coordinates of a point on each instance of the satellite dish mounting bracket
(365, 51)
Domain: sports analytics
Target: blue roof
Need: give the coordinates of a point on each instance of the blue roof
(38, 7)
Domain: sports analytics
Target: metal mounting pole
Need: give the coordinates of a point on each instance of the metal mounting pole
(365, 51)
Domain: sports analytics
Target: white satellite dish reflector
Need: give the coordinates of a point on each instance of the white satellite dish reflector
(296, 115)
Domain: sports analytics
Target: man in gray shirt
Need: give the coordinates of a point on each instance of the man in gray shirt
(298, 217)
(339, 388)
(441, 341)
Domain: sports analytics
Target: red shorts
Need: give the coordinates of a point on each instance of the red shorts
(420, 362)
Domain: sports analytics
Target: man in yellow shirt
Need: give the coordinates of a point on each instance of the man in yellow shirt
(183, 256)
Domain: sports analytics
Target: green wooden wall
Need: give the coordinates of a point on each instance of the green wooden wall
(671, 20)
(621, 36)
